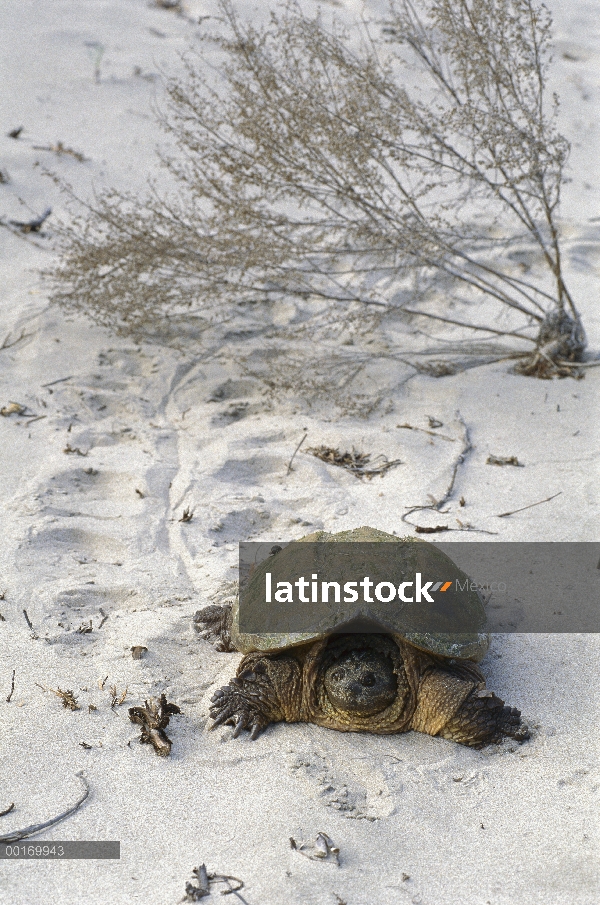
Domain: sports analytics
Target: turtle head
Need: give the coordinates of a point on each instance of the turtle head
(361, 681)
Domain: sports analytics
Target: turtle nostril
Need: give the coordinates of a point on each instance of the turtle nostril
(368, 680)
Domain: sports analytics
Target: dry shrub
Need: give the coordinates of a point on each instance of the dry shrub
(387, 176)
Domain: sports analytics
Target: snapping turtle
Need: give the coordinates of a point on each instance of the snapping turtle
(376, 675)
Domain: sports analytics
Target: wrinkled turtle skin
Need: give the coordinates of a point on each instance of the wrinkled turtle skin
(387, 681)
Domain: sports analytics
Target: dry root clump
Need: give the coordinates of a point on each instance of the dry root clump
(154, 718)
(560, 346)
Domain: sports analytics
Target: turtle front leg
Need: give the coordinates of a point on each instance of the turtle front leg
(457, 705)
(265, 690)
(482, 719)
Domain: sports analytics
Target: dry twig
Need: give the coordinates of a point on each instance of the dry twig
(61, 149)
(289, 468)
(431, 433)
(116, 699)
(31, 226)
(437, 505)
(12, 688)
(37, 827)
(531, 505)
(8, 345)
(59, 380)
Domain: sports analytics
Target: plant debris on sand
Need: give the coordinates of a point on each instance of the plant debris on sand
(154, 718)
(358, 463)
(204, 879)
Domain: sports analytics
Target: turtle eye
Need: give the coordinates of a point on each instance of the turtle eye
(338, 675)
(368, 680)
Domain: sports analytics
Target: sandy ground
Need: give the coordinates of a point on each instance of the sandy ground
(117, 440)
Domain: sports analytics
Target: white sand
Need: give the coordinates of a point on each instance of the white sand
(515, 824)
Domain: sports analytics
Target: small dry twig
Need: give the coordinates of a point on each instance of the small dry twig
(61, 149)
(10, 694)
(531, 505)
(7, 810)
(188, 515)
(8, 345)
(28, 620)
(154, 718)
(289, 468)
(37, 827)
(431, 433)
(104, 618)
(54, 382)
(115, 699)
(31, 226)
(85, 628)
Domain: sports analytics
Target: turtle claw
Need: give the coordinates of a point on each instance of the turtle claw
(232, 707)
(240, 724)
(220, 719)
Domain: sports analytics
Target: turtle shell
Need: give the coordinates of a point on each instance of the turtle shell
(460, 611)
